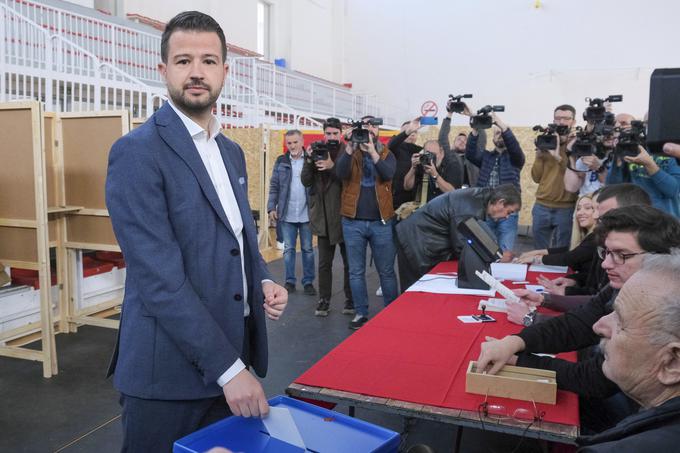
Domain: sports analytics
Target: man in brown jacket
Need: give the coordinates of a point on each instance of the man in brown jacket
(325, 188)
(366, 171)
(554, 208)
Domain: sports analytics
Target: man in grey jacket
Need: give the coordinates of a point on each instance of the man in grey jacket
(430, 236)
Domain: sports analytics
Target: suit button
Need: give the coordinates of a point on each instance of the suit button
(235, 252)
(238, 297)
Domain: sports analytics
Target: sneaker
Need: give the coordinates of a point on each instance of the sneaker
(280, 245)
(309, 290)
(349, 308)
(322, 308)
(378, 292)
(290, 287)
(358, 322)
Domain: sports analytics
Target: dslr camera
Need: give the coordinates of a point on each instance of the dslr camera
(427, 158)
(360, 135)
(321, 149)
(595, 112)
(630, 139)
(483, 119)
(455, 105)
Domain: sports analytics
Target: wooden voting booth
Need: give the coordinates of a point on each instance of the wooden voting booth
(24, 240)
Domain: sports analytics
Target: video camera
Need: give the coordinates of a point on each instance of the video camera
(426, 158)
(455, 105)
(322, 149)
(360, 135)
(547, 140)
(596, 110)
(630, 139)
(483, 119)
(588, 143)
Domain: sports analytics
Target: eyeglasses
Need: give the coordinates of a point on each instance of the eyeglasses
(500, 412)
(617, 257)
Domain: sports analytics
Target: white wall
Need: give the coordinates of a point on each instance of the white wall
(85, 3)
(508, 52)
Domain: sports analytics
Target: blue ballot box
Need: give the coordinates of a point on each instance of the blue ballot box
(322, 431)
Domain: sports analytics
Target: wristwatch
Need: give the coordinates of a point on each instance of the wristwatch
(434, 177)
(529, 318)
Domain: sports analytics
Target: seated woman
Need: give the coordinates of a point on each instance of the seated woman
(578, 257)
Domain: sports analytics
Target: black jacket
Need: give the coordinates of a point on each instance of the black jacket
(570, 332)
(651, 430)
(429, 235)
(402, 152)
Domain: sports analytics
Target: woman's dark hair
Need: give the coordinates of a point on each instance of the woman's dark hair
(192, 21)
(656, 231)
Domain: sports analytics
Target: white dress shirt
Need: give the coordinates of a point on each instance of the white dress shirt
(212, 159)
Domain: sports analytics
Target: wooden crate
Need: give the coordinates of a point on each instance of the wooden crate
(520, 383)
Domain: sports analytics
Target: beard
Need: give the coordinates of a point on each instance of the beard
(193, 104)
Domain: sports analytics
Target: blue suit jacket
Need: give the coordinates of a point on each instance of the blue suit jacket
(182, 320)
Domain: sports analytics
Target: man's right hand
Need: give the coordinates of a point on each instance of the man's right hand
(412, 126)
(529, 297)
(273, 216)
(497, 353)
(415, 160)
(245, 396)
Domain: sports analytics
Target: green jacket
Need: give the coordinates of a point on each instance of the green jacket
(324, 201)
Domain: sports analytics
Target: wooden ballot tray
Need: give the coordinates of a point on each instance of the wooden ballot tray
(527, 384)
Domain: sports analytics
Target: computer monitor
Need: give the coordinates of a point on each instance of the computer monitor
(480, 249)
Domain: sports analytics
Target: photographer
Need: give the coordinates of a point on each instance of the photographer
(502, 165)
(444, 173)
(403, 146)
(554, 207)
(366, 170)
(324, 212)
(470, 171)
(659, 175)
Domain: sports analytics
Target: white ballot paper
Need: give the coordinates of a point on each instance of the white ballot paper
(280, 425)
(445, 284)
(498, 286)
(548, 269)
(509, 271)
(493, 305)
(535, 288)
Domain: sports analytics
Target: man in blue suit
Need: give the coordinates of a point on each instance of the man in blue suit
(193, 318)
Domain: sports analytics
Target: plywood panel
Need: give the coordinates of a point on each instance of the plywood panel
(17, 190)
(51, 168)
(90, 229)
(18, 244)
(86, 145)
(250, 140)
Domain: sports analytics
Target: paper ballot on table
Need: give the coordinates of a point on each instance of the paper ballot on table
(535, 288)
(445, 284)
(497, 305)
(509, 271)
(280, 425)
(498, 286)
(548, 269)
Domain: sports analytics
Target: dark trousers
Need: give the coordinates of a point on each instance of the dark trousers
(326, 255)
(408, 274)
(154, 425)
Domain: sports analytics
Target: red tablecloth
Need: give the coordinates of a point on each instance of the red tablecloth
(417, 350)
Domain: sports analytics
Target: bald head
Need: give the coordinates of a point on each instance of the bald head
(624, 120)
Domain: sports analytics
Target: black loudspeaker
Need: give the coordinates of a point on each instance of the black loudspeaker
(663, 123)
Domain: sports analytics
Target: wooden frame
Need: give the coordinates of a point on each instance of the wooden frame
(87, 140)
(527, 384)
(24, 239)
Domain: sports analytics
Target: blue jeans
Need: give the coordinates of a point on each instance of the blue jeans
(552, 223)
(505, 231)
(290, 233)
(357, 234)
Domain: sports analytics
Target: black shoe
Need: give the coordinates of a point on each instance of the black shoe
(349, 308)
(358, 322)
(309, 290)
(322, 308)
(290, 287)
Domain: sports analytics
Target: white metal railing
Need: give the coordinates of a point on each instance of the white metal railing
(35, 64)
(136, 52)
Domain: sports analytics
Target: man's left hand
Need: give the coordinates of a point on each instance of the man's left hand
(517, 311)
(431, 170)
(325, 164)
(275, 299)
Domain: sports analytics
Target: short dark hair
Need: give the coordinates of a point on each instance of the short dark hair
(367, 117)
(656, 231)
(192, 21)
(463, 134)
(332, 122)
(566, 107)
(405, 123)
(506, 192)
(293, 132)
(626, 194)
